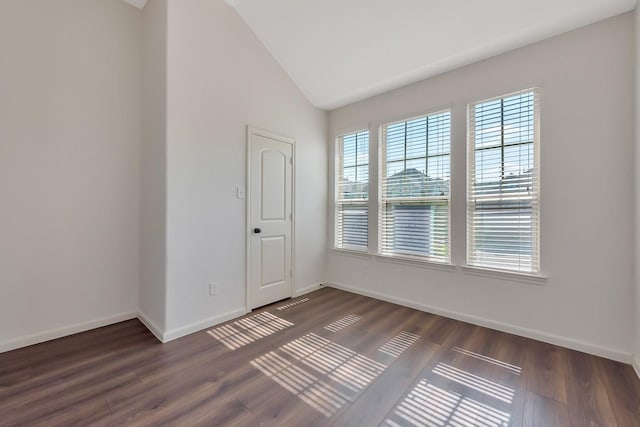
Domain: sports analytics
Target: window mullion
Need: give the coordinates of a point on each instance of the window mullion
(426, 148)
(502, 138)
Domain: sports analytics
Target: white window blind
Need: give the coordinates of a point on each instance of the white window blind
(414, 187)
(352, 191)
(503, 183)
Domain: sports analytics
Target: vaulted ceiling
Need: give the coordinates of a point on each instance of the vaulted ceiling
(341, 51)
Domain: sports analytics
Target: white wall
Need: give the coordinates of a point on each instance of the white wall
(69, 166)
(587, 95)
(220, 79)
(152, 287)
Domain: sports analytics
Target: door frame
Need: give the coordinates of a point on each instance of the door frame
(256, 131)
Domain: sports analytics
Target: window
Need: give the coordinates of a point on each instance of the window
(414, 187)
(503, 188)
(352, 191)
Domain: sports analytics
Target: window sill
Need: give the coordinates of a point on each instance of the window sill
(416, 262)
(352, 252)
(537, 279)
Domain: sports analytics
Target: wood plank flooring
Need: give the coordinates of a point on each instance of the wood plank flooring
(330, 358)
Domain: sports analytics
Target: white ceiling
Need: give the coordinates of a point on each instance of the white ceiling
(341, 51)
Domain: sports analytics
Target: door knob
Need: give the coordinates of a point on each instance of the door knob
(257, 230)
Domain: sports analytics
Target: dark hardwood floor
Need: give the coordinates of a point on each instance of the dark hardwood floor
(327, 358)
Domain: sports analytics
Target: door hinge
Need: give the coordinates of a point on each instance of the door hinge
(291, 160)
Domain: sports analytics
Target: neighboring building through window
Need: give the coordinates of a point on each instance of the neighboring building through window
(352, 191)
(414, 187)
(503, 188)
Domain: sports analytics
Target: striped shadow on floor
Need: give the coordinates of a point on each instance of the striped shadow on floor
(323, 374)
(342, 323)
(249, 329)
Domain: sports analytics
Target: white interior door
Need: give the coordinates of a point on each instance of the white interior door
(270, 177)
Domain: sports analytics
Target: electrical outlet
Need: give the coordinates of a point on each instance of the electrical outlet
(213, 289)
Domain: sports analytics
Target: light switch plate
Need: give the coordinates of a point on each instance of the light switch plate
(240, 194)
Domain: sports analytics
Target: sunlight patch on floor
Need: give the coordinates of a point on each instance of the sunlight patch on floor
(292, 304)
(508, 366)
(399, 344)
(430, 406)
(249, 329)
(476, 382)
(322, 373)
(316, 393)
(342, 323)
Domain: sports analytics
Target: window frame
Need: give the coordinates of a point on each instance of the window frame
(385, 202)
(338, 202)
(472, 265)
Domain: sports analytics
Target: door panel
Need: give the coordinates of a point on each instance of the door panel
(273, 188)
(273, 260)
(270, 218)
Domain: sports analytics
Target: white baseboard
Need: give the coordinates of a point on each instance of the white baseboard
(158, 332)
(151, 326)
(570, 343)
(63, 331)
(206, 323)
(636, 364)
(306, 290)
